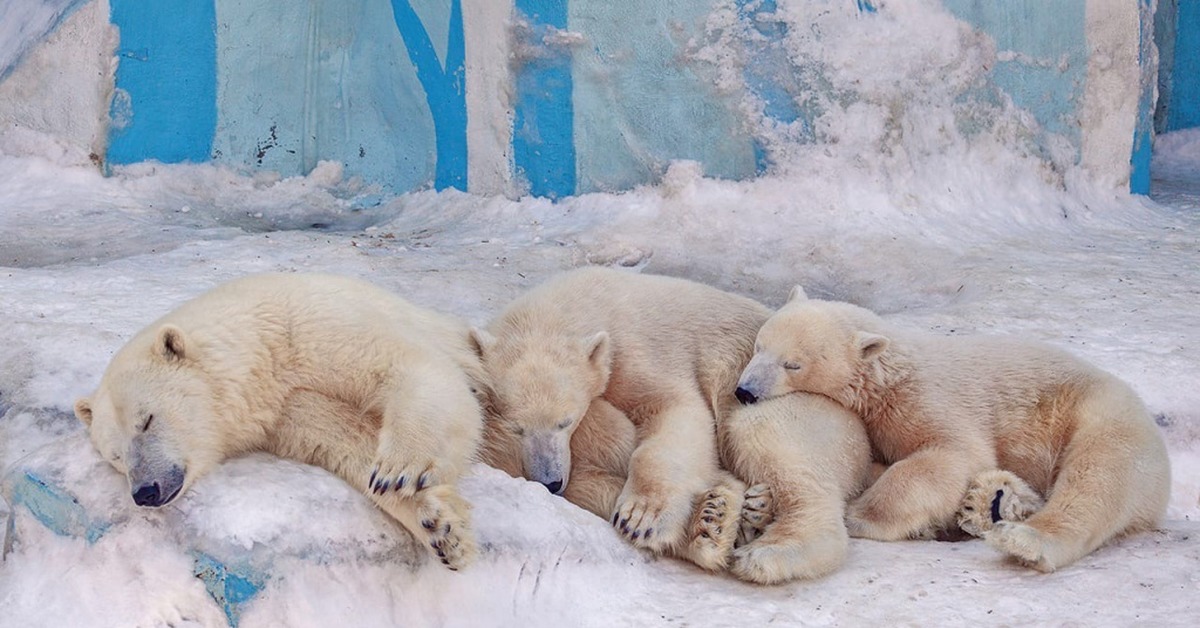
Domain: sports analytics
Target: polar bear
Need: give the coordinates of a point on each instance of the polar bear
(327, 370)
(805, 456)
(942, 410)
(666, 352)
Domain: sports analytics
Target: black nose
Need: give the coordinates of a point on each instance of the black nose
(744, 396)
(147, 495)
(554, 487)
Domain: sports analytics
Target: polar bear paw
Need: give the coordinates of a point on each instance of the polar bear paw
(1022, 542)
(403, 472)
(652, 522)
(757, 513)
(779, 560)
(444, 517)
(993, 497)
(714, 529)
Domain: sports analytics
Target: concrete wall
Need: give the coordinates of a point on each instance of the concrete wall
(561, 97)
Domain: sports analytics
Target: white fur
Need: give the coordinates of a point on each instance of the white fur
(665, 352)
(327, 370)
(942, 409)
(809, 455)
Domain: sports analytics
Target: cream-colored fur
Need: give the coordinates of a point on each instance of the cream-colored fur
(327, 370)
(665, 352)
(943, 409)
(601, 448)
(808, 455)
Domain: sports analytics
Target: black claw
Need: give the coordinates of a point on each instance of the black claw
(423, 481)
(615, 515)
(451, 568)
(427, 524)
(649, 531)
(441, 553)
(635, 535)
(446, 530)
(624, 523)
(446, 562)
(401, 482)
(373, 473)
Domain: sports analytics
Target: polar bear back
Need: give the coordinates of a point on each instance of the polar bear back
(664, 330)
(326, 332)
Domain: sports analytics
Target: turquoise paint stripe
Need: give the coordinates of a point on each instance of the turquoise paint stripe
(56, 509)
(165, 107)
(230, 587)
(445, 89)
(1143, 138)
(1184, 112)
(544, 114)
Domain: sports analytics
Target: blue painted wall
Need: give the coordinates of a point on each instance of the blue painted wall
(543, 134)
(375, 84)
(602, 94)
(1184, 107)
(165, 102)
(1047, 72)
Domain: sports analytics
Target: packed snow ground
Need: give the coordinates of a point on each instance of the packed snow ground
(89, 260)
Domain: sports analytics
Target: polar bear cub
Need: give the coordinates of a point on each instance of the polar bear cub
(941, 410)
(327, 370)
(665, 352)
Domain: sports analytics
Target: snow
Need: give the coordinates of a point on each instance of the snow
(890, 208)
(89, 260)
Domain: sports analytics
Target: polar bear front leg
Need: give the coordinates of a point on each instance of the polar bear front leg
(671, 468)
(432, 423)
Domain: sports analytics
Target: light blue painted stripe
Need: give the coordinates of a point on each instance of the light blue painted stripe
(1184, 110)
(544, 117)
(165, 107)
(445, 89)
(230, 587)
(865, 6)
(55, 508)
(1139, 160)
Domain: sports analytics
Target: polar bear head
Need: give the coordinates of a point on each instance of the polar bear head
(809, 346)
(541, 386)
(154, 416)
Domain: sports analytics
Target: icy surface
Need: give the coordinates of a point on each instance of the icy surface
(90, 260)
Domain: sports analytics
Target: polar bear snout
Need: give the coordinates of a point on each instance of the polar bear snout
(745, 396)
(547, 459)
(156, 492)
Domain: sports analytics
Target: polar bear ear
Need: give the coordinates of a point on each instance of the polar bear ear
(871, 345)
(171, 344)
(481, 341)
(797, 294)
(598, 349)
(83, 411)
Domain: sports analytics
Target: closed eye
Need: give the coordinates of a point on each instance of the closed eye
(564, 424)
(792, 366)
(146, 425)
(518, 430)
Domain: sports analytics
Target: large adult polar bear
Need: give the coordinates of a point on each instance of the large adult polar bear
(591, 345)
(327, 370)
(944, 409)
